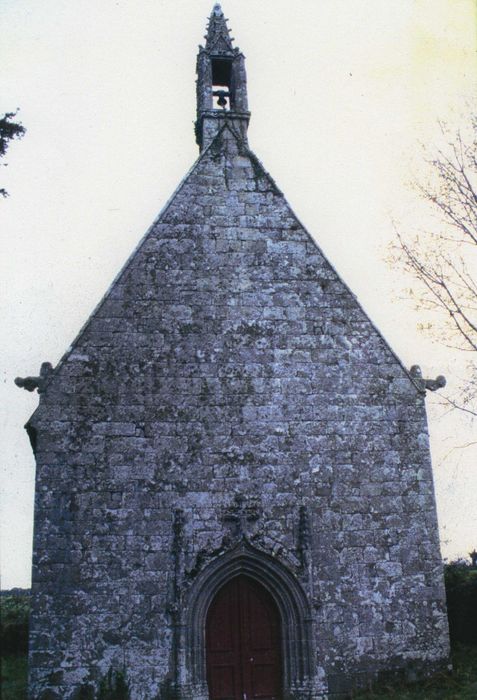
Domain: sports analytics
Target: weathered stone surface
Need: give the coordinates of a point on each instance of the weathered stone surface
(229, 404)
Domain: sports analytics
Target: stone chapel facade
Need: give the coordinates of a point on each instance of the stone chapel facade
(234, 493)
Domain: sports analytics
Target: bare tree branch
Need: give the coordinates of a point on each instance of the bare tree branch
(8, 130)
(446, 277)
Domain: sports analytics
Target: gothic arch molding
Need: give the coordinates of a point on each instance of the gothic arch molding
(291, 601)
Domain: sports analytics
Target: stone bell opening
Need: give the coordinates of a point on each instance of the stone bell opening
(222, 83)
(243, 643)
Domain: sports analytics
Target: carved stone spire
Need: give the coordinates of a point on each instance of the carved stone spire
(218, 39)
(221, 83)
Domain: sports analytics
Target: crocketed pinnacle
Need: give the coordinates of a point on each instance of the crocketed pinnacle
(221, 84)
(218, 36)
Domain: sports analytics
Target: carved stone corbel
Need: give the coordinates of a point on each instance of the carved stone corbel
(32, 383)
(422, 384)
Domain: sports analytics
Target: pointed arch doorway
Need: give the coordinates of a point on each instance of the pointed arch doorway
(243, 643)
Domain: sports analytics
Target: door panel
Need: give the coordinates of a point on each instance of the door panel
(224, 682)
(243, 643)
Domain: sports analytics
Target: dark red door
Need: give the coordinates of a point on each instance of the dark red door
(243, 643)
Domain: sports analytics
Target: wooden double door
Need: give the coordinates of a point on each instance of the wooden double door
(243, 643)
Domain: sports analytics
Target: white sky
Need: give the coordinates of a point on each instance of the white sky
(341, 93)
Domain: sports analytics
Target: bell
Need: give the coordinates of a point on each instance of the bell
(223, 96)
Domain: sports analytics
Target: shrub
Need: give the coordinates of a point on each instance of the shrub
(461, 592)
(114, 686)
(14, 616)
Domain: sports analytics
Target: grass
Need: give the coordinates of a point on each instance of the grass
(459, 685)
(13, 678)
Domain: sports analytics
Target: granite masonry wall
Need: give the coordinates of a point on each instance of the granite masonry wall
(230, 408)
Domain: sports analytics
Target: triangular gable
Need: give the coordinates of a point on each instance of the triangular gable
(293, 237)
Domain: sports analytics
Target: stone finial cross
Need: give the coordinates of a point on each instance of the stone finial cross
(32, 383)
(242, 512)
(423, 384)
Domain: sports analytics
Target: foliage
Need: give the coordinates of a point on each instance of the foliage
(461, 591)
(114, 686)
(13, 680)
(14, 614)
(461, 684)
(458, 572)
(443, 260)
(14, 619)
(85, 692)
(8, 130)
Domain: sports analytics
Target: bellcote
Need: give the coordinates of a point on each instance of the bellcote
(221, 83)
